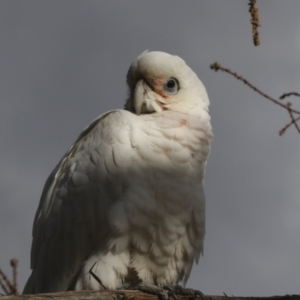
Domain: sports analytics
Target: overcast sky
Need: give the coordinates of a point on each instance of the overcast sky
(63, 63)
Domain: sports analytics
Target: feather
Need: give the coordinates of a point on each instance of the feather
(126, 201)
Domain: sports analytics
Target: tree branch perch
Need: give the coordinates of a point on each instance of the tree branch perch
(129, 295)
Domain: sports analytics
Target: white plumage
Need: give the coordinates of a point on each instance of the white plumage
(126, 202)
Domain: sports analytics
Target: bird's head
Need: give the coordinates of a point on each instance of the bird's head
(159, 81)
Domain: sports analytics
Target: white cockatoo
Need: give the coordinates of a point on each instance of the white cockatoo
(126, 202)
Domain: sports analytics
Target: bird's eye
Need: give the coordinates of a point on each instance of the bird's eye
(171, 86)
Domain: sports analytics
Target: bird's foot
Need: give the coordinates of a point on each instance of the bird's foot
(165, 292)
(183, 291)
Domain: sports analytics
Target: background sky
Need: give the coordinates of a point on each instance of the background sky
(63, 63)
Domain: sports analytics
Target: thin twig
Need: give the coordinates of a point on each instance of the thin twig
(216, 67)
(5, 283)
(14, 265)
(294, 121)
(289, 94)
(254, 21)
(10, 288)
(282, 130)
(3, 286)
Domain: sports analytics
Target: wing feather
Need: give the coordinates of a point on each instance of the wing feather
(71, 220)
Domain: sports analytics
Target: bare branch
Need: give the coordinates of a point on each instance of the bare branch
(14, 264)
(254, 21)
(288, 106)
(289, 94)
(10, 288)
(3, 286)
(5, 283)
(294, 120)
(282, 130)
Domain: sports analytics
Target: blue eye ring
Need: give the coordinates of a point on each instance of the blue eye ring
(171, 86)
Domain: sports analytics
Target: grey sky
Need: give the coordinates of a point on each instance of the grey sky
(63, 63)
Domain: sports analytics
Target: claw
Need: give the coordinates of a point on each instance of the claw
(200, 294)
(165, 292)
(171, 294)
(188, 292)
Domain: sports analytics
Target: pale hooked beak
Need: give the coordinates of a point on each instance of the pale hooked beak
(145, 100)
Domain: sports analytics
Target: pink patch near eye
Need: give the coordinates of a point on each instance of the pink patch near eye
(157, 85)
(162, 94)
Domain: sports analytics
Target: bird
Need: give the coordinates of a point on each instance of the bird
(125, 205)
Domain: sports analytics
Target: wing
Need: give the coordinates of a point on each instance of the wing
(71, 219)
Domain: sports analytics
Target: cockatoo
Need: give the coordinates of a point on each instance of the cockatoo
(126, 203)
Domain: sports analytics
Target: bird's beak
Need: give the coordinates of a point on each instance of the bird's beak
(144, 99)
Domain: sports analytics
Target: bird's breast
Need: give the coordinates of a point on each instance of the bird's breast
(162, 214)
